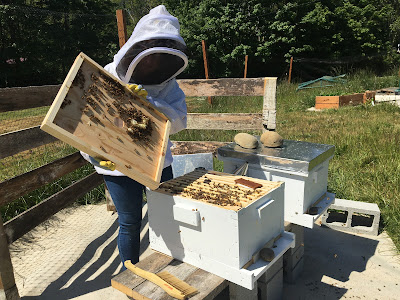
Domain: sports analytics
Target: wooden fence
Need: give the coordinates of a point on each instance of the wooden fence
(13, 99)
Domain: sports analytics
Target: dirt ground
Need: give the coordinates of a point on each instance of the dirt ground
(74, 255)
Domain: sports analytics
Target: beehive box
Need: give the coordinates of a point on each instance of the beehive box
(303, 166)
(97, 114)
(322, 102)
(208, 220)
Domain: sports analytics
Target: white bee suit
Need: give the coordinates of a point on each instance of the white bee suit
(159, 26)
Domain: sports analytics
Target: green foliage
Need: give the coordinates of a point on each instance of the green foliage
(40, 39)
(355, 33)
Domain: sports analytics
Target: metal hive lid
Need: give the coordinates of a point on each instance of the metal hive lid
(292, 156)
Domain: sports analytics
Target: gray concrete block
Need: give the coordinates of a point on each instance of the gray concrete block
(272, 271)
(273, 289)
(291, 260)
(237, 292)
(357, 219)
(290, 276)
(299, 236)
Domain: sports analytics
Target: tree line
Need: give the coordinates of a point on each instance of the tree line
(39, 39)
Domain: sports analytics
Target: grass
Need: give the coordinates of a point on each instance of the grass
(365, 165)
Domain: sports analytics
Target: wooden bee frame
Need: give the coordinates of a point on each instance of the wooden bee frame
(96, 113)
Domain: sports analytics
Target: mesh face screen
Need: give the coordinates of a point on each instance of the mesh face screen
(156, 68)
(143, 45)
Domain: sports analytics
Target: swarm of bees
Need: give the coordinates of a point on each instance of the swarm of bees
(138, 126)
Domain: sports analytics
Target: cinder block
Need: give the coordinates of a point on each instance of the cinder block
(299, 236)
(273, 289)
(356, 212)
(291, 260)
(291, 275)
(272, 271)
(237, 292)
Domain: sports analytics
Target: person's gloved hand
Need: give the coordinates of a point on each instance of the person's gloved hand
(105, 164)
(138, 89)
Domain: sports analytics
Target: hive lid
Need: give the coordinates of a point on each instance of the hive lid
(292, 156)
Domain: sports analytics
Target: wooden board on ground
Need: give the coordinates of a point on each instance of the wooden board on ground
(208, 284)
(97, 114)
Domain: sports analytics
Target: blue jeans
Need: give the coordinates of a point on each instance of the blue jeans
(127, 195)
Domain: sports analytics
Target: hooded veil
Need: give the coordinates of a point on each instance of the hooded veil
(157, 33)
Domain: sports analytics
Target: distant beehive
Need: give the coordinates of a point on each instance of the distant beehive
(97, 114)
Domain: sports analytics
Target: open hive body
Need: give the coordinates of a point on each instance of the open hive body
(303, 166)
(206, 219)
(97, 114)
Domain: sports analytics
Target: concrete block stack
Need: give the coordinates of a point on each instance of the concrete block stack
(293, 261)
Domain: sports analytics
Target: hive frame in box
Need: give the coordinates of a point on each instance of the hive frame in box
(95, 112)
(223, 240)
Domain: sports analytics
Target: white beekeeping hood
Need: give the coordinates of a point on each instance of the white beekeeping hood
(155, 33)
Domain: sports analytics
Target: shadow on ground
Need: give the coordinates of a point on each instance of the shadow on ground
(83, 284)
(329, 259)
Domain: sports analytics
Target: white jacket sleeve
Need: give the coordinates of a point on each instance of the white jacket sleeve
(171, 102)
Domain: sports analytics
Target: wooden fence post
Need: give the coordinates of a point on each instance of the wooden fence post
(203, 44)
(122, 37)
(121, 22)
(269, 104)
(245, 66)
(290, 69)
(8, 289)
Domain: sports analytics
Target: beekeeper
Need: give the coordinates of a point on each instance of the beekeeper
(149, 62)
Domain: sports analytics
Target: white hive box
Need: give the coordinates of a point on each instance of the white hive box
(303, 166)
(205, 219)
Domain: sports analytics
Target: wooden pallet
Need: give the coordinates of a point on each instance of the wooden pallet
(217, 188)
(208, 284)
(97, 114)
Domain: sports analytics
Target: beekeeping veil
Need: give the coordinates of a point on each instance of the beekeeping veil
(155, 51)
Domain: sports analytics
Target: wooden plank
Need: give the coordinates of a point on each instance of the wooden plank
(354, 99)
(94, 112)
(27, 182)
(8, 289)
(246, 58)
(326, 105)
(18, 98)
(177, 268)
(208, 284)
(126, 281)
(21, 140)
(225, 121)
(269, 104)
(191, 147)
(35, 96)
(322, 102)
(121, 23)
(290, 69)
(23, 223)
(203, 45)
(224, 86)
